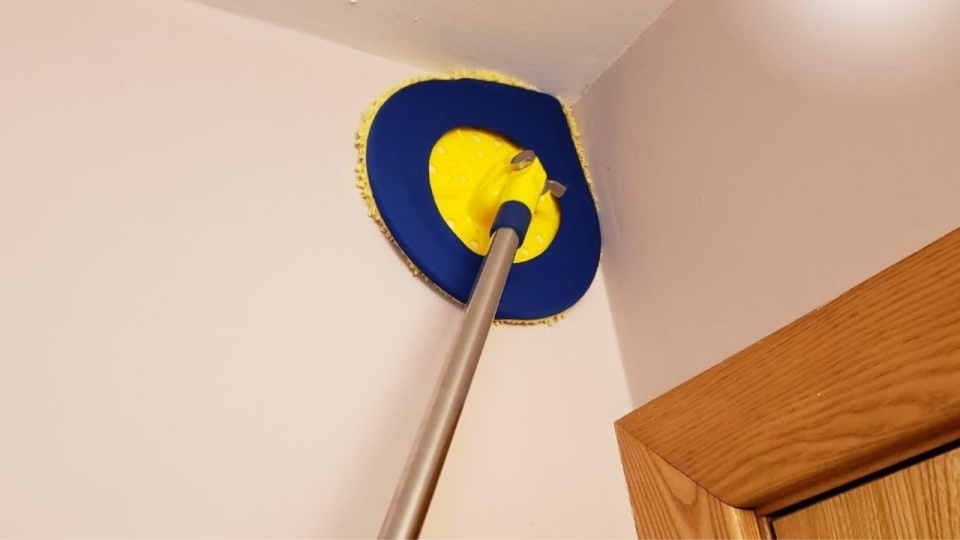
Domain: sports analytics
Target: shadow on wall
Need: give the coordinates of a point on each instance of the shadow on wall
(560, 46)
(757, 158)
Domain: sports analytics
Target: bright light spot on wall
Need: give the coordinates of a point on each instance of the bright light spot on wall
(860, 48)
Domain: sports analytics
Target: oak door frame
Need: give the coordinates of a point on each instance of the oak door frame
(865, 382)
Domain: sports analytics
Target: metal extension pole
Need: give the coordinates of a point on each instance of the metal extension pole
(419, 479)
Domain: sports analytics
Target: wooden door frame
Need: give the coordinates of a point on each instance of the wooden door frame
(863, 383)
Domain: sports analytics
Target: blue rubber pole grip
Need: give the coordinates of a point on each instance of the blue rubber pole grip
(514, 215)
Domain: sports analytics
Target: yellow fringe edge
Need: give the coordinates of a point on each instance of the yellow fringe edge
(363, 179)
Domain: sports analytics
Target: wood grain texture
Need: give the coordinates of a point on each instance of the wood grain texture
(667, 504)
(766, 528)
(866, 381)
(922, 501)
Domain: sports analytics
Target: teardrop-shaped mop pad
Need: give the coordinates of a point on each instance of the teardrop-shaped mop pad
(424, 152)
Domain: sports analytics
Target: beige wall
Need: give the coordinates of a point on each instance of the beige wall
(756, 159)
(535, 455)
(558, 45)
(202, 334)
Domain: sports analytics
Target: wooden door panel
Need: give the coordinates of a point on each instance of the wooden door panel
(866, 382)
(921, 501)
(667, 504)
(863, 383)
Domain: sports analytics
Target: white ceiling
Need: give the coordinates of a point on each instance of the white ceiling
(561, 46)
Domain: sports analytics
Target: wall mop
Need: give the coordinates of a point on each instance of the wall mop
(481, 184)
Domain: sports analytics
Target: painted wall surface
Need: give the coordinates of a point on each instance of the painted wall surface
(535, 454)
(201, 332)
(756, 159)
(561, 46)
